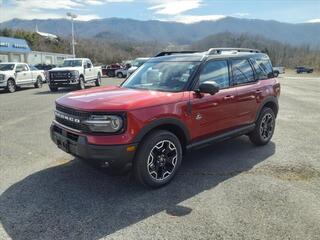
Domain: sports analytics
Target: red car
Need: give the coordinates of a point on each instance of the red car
(174, 102)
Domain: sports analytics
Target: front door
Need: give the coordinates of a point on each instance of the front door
(21, 74)
(211, 114)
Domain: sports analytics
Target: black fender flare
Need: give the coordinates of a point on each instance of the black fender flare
(163, 122)
(271, 99)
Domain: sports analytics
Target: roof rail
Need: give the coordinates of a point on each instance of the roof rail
(173, 52)
(213, 51)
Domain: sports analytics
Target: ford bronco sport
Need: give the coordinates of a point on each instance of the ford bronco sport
(173, 102)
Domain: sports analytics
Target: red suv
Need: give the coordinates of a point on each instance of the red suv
(174, 102)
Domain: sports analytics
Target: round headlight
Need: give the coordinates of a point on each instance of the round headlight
(104, 123)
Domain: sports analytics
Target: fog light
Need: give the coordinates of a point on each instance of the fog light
(131, 148)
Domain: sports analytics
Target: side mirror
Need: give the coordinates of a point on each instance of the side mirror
(17, 71)
(210, 87)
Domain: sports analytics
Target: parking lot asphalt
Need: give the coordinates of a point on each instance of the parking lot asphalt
(230, 190)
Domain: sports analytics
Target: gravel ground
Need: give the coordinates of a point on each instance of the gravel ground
(231, 190)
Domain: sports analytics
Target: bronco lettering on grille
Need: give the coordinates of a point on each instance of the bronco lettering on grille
(66, 117)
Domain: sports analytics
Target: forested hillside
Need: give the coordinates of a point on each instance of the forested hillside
(100, 51)
(281, 54)
(103, 51)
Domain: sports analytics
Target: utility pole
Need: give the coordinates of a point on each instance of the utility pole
(72, 16)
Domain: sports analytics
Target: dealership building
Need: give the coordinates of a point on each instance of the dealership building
(17, 50)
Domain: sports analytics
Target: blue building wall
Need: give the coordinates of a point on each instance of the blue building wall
(14, 45)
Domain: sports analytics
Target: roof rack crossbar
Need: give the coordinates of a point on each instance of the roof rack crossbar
(213, 51)
(168, 53)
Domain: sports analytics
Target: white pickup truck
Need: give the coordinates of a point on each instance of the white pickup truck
(74, 72)
(15, 74)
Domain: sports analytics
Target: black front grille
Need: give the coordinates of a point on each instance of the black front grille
(60, 75)
(71, 111)
(75, 114)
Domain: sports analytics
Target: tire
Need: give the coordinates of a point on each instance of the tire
(276, 74)
(38, 83)
(264, 129)
(53, 88)
(81, 84)
(119, 75)
(158, 159)
(98, 80)
(11, 86)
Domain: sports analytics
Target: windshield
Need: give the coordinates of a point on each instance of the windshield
(138, 63)
(162, 76)
(72, 63)
(6, 67)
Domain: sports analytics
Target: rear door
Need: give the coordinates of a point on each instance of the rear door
(212, 114)
(249, 90)
(28, 72)
(89, 70)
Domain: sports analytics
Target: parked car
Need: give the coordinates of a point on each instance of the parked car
(111, 69)
(74, 72)
(16, 74)
(278, 70)
(174, 102)
(123, 71)
(136, 64)
(304, 70)
(45, 68)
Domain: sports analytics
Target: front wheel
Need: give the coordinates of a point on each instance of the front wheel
(158, 159)
(11, 86)
(264, 129)
(38, 83)
(53, 88)
(81, 84)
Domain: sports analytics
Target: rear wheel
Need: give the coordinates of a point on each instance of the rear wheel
(264, 129)
(11, 86)
(119, 75)
(98, 80)
(38, 83)
(81, 84)
(276, 73)
(158, 159)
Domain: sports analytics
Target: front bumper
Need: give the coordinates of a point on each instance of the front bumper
(3, 84)
(113, 156)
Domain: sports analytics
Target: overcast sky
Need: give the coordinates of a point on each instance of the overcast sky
(293, 11)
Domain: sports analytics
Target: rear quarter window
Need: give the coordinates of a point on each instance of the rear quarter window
(262, 66)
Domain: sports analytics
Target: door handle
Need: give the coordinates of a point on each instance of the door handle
(228, 97)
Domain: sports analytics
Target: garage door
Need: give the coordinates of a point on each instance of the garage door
(16, 58)
(4, 58)
(48, 60)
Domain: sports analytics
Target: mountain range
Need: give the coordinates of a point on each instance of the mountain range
(180, 33)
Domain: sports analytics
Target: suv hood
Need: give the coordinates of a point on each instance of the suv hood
(116, 99)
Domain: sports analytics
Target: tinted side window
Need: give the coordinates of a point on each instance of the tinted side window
(19, 67)
(216, 71)
(242, 71)
(262, 67)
